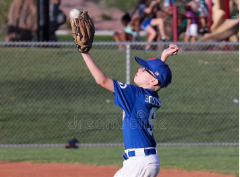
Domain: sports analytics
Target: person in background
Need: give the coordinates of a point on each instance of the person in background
(128, 34)
(203, 14)
(168, 4)
(147, 23)
(192, 27)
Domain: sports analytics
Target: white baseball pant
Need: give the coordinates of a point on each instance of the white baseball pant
(140, 166)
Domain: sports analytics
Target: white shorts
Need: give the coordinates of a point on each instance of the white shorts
(140, 166)
(192, 30)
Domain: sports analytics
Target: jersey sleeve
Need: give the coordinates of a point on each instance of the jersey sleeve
(125, 95)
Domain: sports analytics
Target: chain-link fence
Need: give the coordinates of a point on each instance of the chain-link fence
(47, 94)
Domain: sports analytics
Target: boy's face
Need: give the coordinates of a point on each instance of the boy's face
(143, 77)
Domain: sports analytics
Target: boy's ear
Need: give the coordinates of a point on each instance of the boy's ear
(154, 82)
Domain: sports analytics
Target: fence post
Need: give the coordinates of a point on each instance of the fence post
(43, 20)
(128, 63)
(175, 23)
(227, 16)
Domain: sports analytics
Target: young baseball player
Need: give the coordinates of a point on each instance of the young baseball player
(139, 103)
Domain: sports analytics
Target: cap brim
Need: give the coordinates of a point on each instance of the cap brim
(142, 62)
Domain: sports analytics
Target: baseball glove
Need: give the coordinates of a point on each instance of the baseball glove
(83, 31)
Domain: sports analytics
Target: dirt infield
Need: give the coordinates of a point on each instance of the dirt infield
(27, 169)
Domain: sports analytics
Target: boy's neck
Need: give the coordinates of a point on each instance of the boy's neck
(148, 87)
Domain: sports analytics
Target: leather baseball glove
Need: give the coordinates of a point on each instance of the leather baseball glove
(83, 31)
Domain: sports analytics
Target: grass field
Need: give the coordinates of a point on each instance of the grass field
(43, 90)
(210, 159)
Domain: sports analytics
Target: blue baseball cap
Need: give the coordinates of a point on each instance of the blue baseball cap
(160, 69)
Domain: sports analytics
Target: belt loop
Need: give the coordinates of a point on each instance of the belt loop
(123, 156)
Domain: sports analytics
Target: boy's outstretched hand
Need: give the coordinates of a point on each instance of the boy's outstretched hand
(171, 50)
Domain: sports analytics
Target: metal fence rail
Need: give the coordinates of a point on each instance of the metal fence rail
(48, 96)
(28, 43)
(117, 144)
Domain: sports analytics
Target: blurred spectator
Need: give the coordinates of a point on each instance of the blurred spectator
(202, 7)
(128, 34)
(192, 27)
(147, 23)
(204, 15)
(167, 3)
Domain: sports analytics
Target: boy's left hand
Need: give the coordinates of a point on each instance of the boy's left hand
(172, 50)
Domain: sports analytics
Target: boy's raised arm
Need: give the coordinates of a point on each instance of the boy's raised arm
(83, 34)
(172, 50)
(97, 73)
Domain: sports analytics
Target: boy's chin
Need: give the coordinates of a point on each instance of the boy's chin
(136, 83)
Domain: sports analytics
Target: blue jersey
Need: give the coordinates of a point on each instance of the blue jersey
(139, 107)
